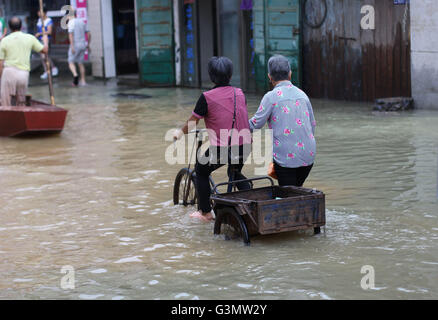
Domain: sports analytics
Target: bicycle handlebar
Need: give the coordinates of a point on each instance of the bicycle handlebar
(240, 181)
(198, 131)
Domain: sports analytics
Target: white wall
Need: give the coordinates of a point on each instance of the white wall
(424, 46)
(102, 43)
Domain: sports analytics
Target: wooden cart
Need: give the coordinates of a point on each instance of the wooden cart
(267, 210)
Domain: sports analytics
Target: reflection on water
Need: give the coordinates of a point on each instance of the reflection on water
(98, 198)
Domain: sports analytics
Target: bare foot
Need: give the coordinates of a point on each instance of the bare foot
(203, 217)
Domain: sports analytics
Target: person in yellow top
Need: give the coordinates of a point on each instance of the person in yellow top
(15, 53)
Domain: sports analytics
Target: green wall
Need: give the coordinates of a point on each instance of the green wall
(277, 31)
(156, 45)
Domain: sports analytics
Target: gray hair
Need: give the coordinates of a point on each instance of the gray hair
(279, 68)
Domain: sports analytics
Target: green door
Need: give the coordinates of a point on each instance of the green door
(276, 31)
(155, 32)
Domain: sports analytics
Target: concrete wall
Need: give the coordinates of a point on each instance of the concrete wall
(102, 44)
(95, 25)
(424, 31)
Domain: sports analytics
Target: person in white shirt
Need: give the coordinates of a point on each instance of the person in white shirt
(78, 34)
(45, 27)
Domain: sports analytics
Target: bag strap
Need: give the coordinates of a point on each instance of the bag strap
(234, 118)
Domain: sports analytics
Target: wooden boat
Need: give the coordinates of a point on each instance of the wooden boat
(35, 117)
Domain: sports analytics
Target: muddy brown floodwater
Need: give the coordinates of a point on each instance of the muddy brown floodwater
(98, 198)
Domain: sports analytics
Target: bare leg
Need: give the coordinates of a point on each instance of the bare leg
(82, 72)
(73, 70)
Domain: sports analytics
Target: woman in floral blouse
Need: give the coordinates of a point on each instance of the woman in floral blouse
(289, 113)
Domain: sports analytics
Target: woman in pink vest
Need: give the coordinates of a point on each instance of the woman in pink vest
(225, 113)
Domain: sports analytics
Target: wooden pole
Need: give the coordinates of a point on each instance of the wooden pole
(48, 66)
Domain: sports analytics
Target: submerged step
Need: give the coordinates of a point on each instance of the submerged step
(394, 104)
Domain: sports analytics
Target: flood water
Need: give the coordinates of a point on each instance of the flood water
(98, 198)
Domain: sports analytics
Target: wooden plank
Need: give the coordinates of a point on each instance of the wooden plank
(152, 42)
(372, 93)
(157, 79)
(367, 58)
(339, 51)
(156, 29)
(347, 25)
(378, 50)
(396, 83)
(282, 17)
(408, 92)
(404, 63)
(157, 67)
(289, 45)
(355, 52)
(390, 48)
(323, 58)
(146, 4)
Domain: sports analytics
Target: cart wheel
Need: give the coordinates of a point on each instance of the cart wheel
(184, 190)
(317, 230)
(230, 224)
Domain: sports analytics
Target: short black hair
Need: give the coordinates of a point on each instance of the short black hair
(15, 24)
(220, 70)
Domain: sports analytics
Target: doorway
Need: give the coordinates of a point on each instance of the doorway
(125, 41)
(216, 28)
(207, 38)
(230, 36)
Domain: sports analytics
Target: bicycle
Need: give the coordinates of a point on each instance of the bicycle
(238, 214)
(184, 191)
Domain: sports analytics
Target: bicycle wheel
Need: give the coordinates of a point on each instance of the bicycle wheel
(231, 225)
(184, 190)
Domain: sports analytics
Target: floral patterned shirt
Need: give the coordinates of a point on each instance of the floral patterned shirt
(289, 114)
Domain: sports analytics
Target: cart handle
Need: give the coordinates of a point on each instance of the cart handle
(240, 181)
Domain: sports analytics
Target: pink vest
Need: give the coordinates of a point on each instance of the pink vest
(219, 119)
